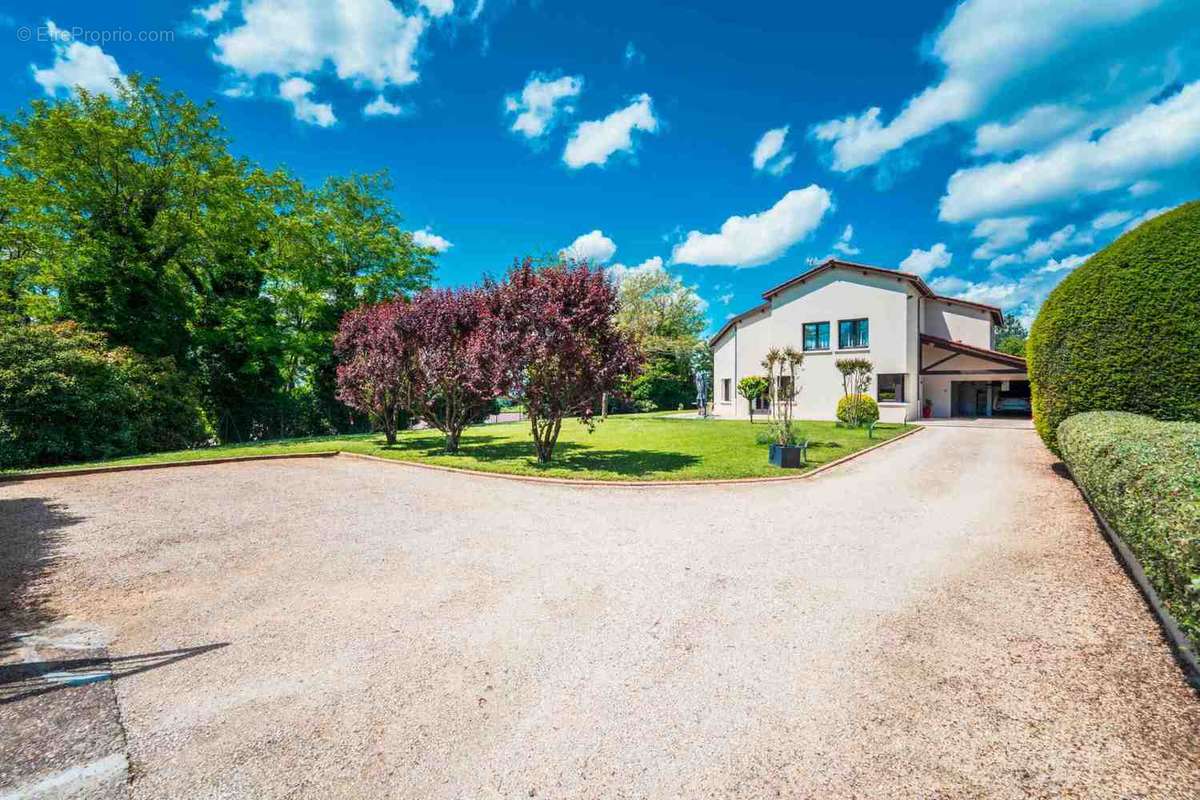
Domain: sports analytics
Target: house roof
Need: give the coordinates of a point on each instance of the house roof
(866, 269)
(972, 350)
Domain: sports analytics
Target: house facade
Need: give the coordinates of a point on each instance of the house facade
(927, 351)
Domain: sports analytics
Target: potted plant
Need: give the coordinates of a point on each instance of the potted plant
(786, 450)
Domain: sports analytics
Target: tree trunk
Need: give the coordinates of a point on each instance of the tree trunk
(545, 435)
(452, 436)
(604, 405)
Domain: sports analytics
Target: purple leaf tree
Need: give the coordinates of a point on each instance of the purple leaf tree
(562, 350)
(373, 373)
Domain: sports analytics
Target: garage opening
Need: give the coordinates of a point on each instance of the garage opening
(990, 399)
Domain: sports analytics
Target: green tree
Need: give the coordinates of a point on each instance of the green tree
(753, 387)
(665, 317)
(128, 215)
(335, 249)
(1010, 336)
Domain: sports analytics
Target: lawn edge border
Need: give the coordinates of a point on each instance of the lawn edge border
(635, 484)
(14, 477)
(1178, 641)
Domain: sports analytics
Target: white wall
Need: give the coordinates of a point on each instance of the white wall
(957, 323)
(829, 297)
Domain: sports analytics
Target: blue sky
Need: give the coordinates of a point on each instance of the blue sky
(990, 145)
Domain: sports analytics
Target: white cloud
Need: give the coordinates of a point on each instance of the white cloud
(594, 141)
(1146, 217)
(633, 55)
(594, 247)
(540, 103)
(1032, 128)
(1061, 238)
(1143, 188)
(726, 298)
(368, 42)
(239, 90)
(758, 238)
(438, 8)
(843, 246)
(380, 107)
(76, 64)
(985, 46)
(298, 91)
(478, 9)
(999, 234)
(1111, 219)
(769, 154)
(619, 272)
(427, 238)
(1067, 263)
(923, 262)
(211, 13)
(1159, 136)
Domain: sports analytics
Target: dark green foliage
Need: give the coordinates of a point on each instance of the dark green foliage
(1122, 332)
(1144, 476)
(1011, 336)
(666, 383)
(130, 216)
(66, 396)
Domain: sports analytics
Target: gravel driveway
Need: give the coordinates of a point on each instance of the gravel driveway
(938, 618)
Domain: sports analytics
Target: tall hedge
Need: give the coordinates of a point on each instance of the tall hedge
(1144, 476)
(1122, 332)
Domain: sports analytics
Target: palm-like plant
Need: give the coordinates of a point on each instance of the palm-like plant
(781, 362)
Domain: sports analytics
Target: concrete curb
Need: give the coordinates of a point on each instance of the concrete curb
(1178, 641)
(196, 462)
(584, 482)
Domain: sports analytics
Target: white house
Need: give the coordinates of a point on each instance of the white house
(927, 350)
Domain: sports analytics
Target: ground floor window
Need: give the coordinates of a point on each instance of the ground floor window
(890, 388)
(725, 390)
(762, 403)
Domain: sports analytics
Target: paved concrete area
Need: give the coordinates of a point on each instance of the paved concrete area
(940, 618)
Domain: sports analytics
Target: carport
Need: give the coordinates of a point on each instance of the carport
(960, 380)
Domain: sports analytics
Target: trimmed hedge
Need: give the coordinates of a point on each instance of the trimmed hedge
(1144, 476)
(858, 409)
(1122, 332)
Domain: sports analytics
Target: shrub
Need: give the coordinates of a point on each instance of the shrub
(1121, 332)
(857, 410)
(1144, 477)
(66, 396)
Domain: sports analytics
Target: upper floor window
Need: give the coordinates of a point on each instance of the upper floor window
(725, 393)
(816, 336)
(853, 333)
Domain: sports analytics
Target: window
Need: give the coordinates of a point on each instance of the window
(785, 387)
(853, 333)
(762, 403)
(725, 382)
(816, 336)
(890, 388)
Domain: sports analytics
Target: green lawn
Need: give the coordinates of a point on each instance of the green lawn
(629, 448)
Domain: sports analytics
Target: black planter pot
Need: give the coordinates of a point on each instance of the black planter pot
(787, 456)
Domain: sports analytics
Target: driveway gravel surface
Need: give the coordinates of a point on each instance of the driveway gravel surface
(939, 618)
